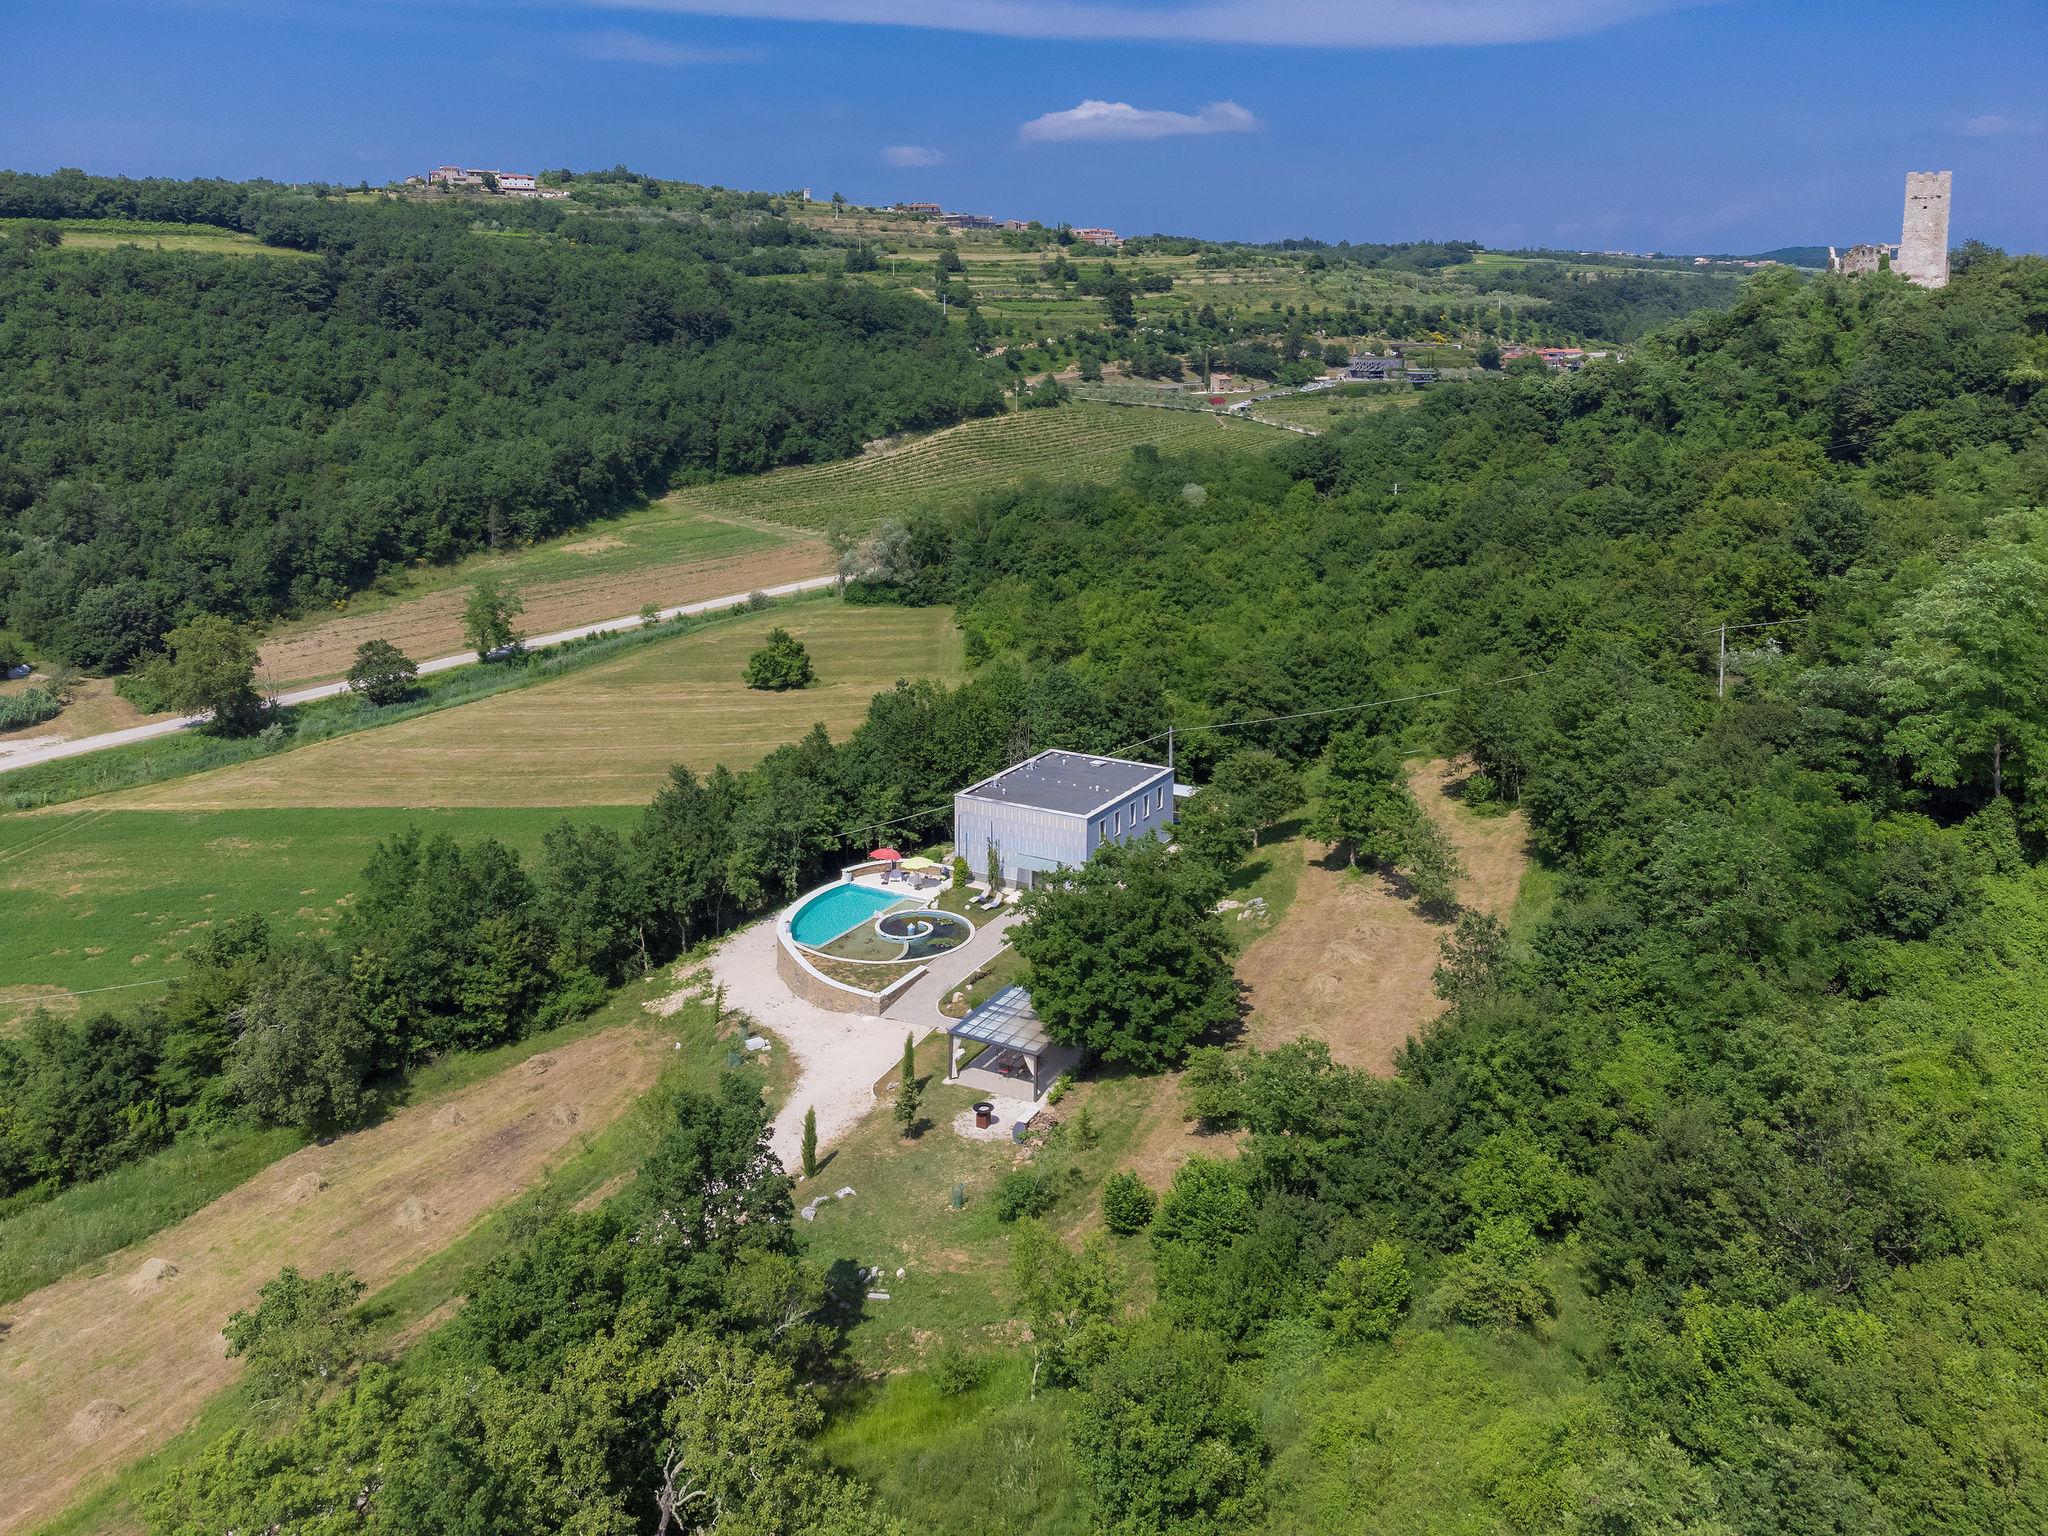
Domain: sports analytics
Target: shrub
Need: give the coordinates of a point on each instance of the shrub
(955, 1373)
(31, 707)
(1128, 1204)
(1364, 1297)
(1498, 1281)
(1023, 1192)
(781, 664)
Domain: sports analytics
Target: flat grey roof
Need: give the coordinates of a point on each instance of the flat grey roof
(1005, 1019)
(1072, 783)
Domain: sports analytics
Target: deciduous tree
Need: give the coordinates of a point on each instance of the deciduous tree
(1127, 958)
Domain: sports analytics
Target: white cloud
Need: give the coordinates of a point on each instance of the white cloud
(1991, 125)
(1299, 23)
(912, 156)
(618, 46)
(1121, 120)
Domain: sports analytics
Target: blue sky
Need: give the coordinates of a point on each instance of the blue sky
(1713, 125)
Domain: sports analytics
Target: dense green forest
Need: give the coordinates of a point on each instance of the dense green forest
(231, 434)
(1714, 1204)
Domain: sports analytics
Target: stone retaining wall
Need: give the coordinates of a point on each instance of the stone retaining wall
(820, 990)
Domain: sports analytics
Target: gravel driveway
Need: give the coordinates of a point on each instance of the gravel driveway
(839, 1056)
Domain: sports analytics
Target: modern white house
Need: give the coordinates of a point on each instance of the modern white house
(1056, 809)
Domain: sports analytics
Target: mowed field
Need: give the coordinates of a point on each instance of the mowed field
(105, 902)
(1354, 964)
(1350, 962)
(603, 736)
(191, 239)
(1078, 441)
(1323, 410)
(107, 893)
(110, 1363)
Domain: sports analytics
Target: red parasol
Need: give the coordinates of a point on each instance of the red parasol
(887, 853)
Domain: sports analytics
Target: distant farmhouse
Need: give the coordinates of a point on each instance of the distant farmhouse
(1107, 239)
(506, 183)
(1056, 809)
(1556, 359)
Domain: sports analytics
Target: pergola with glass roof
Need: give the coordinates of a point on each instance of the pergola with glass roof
(1012, 1055)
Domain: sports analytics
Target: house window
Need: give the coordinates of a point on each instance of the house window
(1119, 823)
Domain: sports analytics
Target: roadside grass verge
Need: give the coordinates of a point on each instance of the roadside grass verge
(653, 554)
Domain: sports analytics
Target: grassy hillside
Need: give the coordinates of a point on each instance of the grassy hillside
(1082, 441)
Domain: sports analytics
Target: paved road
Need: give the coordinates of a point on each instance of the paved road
(45, 749)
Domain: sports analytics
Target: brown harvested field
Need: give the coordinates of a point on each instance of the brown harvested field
(103, 1368)
(1354, 965)
(430, 625)
(603, 736)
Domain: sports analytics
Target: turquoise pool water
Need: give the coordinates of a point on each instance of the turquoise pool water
(830, 913)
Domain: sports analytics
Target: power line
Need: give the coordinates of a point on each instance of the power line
(1225, 725)
(1307, 714)
(121, 986)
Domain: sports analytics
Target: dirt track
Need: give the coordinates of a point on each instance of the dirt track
(98, 1370)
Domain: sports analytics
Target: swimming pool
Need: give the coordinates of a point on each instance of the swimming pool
(830, 913)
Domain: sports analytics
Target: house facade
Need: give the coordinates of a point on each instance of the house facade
(1056, 809)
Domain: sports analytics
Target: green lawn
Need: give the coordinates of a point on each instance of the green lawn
(109, 899)
(955, 1284)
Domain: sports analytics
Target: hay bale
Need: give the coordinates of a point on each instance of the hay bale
(414, 1214)
(95, 1419)
(564, 1114)
(448, 1117)
(305, 1187)
(539, 1064)
(152, 1277)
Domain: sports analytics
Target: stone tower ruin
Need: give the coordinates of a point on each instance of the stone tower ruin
(1923, 243)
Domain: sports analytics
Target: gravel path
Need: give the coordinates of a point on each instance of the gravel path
(839, 1056)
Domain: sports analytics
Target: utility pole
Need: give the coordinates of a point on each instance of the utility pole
(1169, 749)
(1721, 684)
